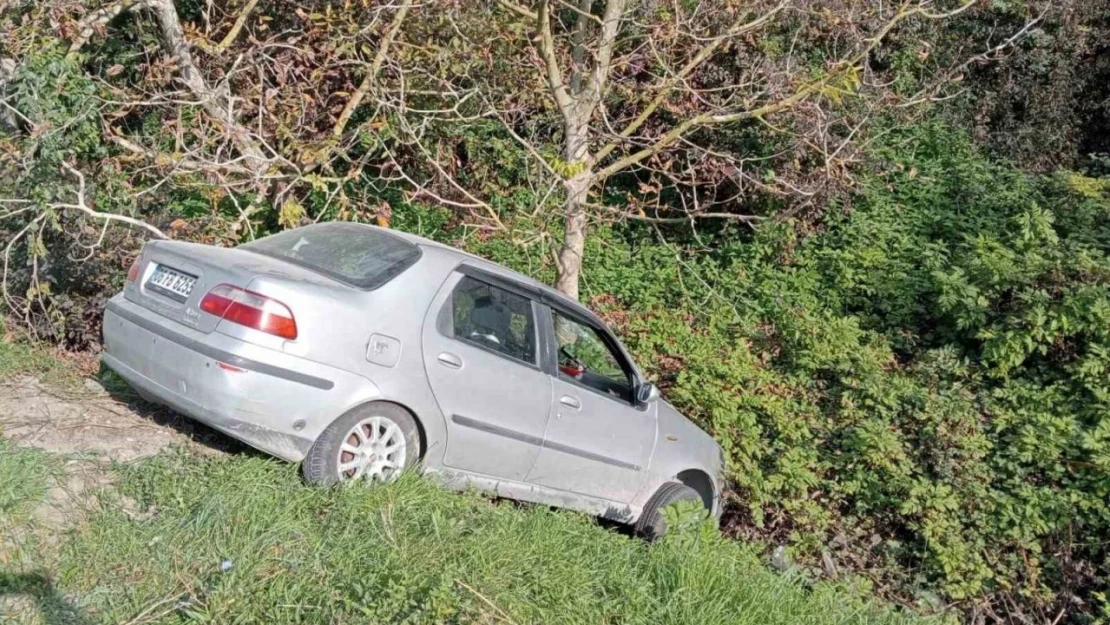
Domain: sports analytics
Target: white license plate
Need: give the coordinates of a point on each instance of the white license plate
(171, 282)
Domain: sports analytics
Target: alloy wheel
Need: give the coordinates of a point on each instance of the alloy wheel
(373, 450)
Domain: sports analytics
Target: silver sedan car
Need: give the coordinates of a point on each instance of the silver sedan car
(361, 352)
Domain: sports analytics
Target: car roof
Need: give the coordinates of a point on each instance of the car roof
(535, 288)
(539, 290)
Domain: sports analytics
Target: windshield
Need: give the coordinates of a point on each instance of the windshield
(351, 253)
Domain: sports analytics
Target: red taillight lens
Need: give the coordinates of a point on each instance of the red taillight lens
(133, 272)
(250, 309)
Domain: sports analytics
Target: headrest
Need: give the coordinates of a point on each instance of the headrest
(490, 315)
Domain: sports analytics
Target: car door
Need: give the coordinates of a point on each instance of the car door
(481, 353)
(598, 441)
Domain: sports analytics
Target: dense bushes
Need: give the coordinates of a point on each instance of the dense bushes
(918, 389)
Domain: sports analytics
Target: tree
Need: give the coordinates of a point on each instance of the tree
(278, 114)
(241, 104)
(641, 87)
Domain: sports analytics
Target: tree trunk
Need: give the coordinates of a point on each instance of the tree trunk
(574, 209)
(574, 239)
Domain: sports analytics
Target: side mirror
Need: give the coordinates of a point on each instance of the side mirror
(646, 393)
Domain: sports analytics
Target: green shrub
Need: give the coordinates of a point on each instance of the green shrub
(920, 386)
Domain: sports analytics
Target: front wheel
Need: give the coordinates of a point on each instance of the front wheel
(652, 523)
(372, 443)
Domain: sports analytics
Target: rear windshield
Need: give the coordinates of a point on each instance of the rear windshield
(351, 253)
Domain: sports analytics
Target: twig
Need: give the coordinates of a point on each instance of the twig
(487, 601)
(83, 207)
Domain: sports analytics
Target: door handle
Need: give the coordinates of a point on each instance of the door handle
(570, 402)
(448, 359)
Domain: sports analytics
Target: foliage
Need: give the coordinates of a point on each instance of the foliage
(58, 295)
(917, 389)
(921, 385)
(241, 539)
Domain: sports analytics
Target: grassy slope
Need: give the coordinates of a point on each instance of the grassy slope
(406, 553)
(409, 552)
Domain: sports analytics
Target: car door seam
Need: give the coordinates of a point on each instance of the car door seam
(497, 430)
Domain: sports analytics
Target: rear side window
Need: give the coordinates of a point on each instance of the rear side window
(494, 319)
(354, 254)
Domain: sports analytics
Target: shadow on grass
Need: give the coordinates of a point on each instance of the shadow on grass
(164, 416)
(52, 606)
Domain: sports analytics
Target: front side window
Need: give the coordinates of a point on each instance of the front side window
(587, 359)
(495, 319)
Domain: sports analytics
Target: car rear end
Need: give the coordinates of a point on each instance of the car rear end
(239, 338)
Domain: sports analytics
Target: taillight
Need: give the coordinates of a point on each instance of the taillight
(133, 272)
(250, 309)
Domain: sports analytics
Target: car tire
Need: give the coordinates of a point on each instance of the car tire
(322, 463)
(652, 525)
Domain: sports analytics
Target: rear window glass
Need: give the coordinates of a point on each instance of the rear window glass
(351, 253)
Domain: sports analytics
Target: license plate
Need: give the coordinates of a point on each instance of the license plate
(171, 283)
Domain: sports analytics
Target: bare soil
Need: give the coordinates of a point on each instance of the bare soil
(88, 428)
(90, 422)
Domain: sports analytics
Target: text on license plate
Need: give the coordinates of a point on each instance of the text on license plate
(171, 282)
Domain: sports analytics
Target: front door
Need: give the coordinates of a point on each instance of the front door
(482, 360)
(598, 443)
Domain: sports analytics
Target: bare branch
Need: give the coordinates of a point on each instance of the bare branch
(173, 40)
(692, 216)
(232, 34)
(99, 18)
(551, 62)
(928, 94)
(799, 96)
(695, 62)
(519, 10)
(372, 73)
(82, 206)
(599, 78)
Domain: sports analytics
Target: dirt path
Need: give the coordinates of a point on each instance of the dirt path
(91, 423)
(88, 429)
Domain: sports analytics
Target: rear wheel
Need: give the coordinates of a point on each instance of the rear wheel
(652, 523)
(372, 443)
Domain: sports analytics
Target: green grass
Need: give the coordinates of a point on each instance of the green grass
(409, 552)
(19, 358)
(23, 477)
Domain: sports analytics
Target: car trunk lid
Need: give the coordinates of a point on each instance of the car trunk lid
(174, 276)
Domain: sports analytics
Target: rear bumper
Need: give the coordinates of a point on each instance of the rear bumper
(271, 400)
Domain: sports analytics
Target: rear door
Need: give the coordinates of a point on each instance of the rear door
(598, 442)
(481, 349)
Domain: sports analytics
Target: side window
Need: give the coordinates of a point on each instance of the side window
(494, 318)
(585, 358)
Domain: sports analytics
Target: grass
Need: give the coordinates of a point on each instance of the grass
(241, 539)
(20, 358)
(23, 477)
(26, 596)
